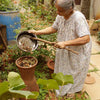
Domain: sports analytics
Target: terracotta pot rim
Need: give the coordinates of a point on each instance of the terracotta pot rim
(98, 42)
(16, 62)
(48, 64)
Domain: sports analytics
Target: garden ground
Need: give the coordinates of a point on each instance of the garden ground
(94, 89)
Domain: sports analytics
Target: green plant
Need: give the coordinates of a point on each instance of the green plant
(93, 70)
(42, 93)
(44, 13)
(57, 80)
(83, 96)
(42, 72)
(60, 80)
(8, 58)
(40, 9)
(6, 5)
(98, 36)
(95, 53)
(97, 21)
(12, 88)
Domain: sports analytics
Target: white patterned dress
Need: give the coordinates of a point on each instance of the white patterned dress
(67, 62)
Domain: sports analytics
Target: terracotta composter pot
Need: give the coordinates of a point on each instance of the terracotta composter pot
(98, 42)
(50, 65)
(27, 74)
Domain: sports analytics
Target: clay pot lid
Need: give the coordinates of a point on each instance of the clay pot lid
(89, 79)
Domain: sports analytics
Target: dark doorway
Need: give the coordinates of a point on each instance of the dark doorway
(77, 2)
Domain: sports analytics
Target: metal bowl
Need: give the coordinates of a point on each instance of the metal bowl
(25, 41)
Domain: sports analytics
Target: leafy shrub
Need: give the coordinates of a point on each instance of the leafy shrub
(6, 5)
(9, 56)
(12, 88)
(98, 37)
(45, 13)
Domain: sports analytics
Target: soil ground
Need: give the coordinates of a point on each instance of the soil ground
(94, 89)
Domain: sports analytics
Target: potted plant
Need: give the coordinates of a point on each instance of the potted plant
(9, 16)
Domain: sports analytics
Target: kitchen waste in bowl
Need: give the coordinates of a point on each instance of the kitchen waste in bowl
(25, 43)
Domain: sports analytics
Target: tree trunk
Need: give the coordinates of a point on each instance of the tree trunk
(77, 2)
(37, 2)
(85, 8)
(52, 2)
(97, 9)
(92, 9)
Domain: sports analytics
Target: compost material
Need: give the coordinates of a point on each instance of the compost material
(27, 62)
(26, 43)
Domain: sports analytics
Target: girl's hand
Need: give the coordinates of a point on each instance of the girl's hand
(60, 45)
